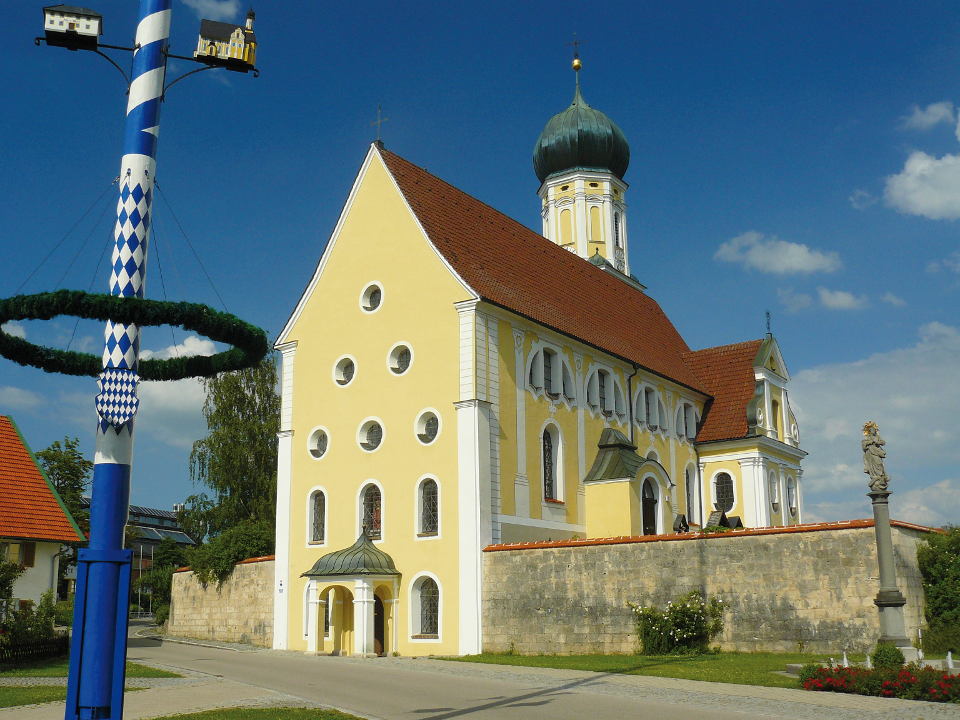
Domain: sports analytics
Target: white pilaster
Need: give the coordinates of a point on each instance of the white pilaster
(363, 617)
(281, 573)
(313, 616)
(475, 520)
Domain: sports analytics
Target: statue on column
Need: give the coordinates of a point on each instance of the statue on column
(873, 455)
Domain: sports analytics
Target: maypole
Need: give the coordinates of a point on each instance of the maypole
(99, 643)
(97, 674)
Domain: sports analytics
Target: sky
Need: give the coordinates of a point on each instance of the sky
(796, 157)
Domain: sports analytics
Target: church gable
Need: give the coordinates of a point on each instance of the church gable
(376, 232)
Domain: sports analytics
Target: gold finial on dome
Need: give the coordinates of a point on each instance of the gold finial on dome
(577, 64)
(576, 53)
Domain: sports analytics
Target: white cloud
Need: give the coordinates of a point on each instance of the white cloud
(214, 9)
(928, 117)
(171, 412)
(794, 302)
(14, 328)
(927, 186)
(841, 299)
(756, 251)
(912, 394)
(951, 263)
(18, 398)
(192, 345)
(861, 199)
(894, 300)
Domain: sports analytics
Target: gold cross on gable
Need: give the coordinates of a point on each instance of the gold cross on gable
(575, 44)
(379, 121)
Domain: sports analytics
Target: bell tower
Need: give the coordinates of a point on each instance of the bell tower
(580, 159)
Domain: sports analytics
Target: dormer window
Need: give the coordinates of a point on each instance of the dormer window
(549, 372)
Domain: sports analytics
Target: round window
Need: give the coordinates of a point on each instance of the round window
(318, 443)
(371, 297)
(428, 427)
(371, 435)
(400, 359)
(344, 371)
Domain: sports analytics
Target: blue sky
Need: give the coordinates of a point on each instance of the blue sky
(797, 157)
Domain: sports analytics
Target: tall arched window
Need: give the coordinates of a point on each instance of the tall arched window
(550, 451)
(429, 509)
(650, 404)
(427, 618)
(318, 517)
(723, 492)
(792, 496)
(649, 508)
(773, 483)
(690, 479)
(370, 519)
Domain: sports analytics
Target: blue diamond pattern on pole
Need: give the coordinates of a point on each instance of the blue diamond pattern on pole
(117, 402)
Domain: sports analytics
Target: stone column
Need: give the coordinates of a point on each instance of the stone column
(889, 600)
(363, 618)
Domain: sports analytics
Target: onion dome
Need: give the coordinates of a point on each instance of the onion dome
(580, 137)
(361, 558)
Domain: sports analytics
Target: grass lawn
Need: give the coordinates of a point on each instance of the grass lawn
(10, 695)
(265, 714)
(738, 668)
(58, 668)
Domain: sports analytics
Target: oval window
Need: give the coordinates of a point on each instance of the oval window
(400, 359)
(344, 371)
(371, 435)
(371, 297)
(319, 440)
(428, 427)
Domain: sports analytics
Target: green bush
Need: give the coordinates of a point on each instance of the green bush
(63, 612)
(809, 671)
(214, 561)
(30, 623)
(684, 626)
(912, 682)
(161, 614)
(940, 639)
(887, 656)
(939, 560)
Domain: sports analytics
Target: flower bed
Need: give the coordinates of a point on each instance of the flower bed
(911, 682)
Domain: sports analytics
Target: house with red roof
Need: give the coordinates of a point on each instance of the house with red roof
(34, 522)
(452, 379)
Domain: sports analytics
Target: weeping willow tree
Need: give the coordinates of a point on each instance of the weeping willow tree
(236, 463)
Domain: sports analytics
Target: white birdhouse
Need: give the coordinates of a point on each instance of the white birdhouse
(72, 27)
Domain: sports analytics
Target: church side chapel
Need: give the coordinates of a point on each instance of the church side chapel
(446, 393)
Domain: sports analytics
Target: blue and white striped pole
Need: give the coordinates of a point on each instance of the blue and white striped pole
(95, 688)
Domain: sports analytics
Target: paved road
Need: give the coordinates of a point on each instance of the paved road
(405, 689)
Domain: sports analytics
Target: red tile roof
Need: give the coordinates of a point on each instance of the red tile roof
(510, 265)
(29, 506)
(727, 374)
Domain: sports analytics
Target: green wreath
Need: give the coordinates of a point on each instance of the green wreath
(249, 342)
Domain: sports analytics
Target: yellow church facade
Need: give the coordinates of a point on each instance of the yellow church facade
(446, 386)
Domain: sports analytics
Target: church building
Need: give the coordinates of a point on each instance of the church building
(456, 388)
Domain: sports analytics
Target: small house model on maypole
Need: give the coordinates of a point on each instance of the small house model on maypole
(72, 27)
(233, 47)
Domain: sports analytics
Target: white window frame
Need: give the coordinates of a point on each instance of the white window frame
(419, 424)
(326, 517)
(614, 394)
(336, 370)
(418, 506)
(360, 433)
(314, 431)
(793, 512)
(358, 509)
(413, 617)
(773, 492)
(713, 489)
(390, 359)
(363, 296)
(553, 390)
(691, 492)
(658, 512)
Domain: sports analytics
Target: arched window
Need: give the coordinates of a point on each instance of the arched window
(567, 390)
(723, 492)
(774, 486)
(426, 622)
(550, 456)
(603, 391)
(429, 509)
(649, 508)
(690, 479)
(549, 363)
(370, 517)
(650, 405)
(318, 517)
(792, 496)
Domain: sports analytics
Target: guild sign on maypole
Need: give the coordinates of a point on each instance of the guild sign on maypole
(98, 647)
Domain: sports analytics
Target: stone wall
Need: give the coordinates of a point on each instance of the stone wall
(241, 610)
(809, 587)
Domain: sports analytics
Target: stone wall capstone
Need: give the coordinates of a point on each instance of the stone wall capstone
(241, 610)
(784, 591)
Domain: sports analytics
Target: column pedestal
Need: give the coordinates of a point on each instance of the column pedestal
(889, 599)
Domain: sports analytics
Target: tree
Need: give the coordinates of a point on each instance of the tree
(167, 557)
(237, 463)
(69, 471)
(939, 561)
